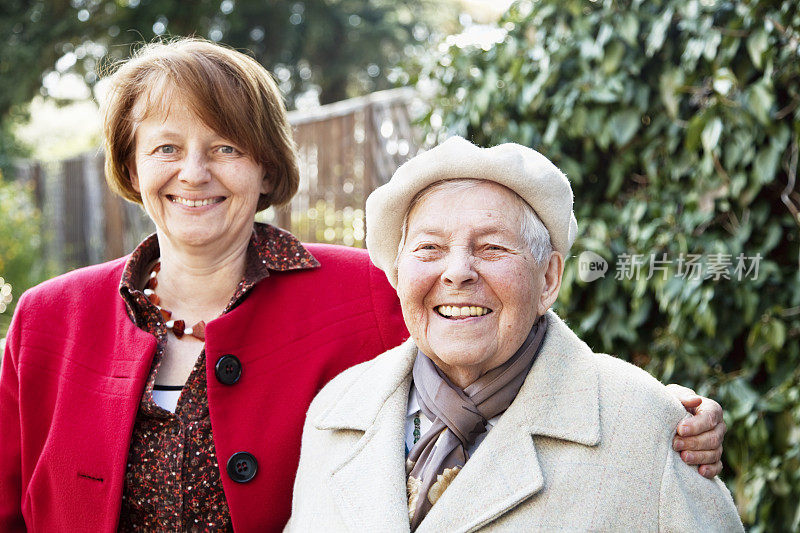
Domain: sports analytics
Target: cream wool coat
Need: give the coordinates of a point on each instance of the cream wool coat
(586, 445)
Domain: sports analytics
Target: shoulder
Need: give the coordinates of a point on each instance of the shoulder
(371, 379)
(350, 271)
(76, 286)
(329, 395)
(623, 382)
(68, 311)
(337, 256)
(619, 380)
(349, 264)
(334, 257)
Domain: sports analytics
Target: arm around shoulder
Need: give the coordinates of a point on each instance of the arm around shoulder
(689, 502)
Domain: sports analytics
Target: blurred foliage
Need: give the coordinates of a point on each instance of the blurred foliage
(10, 147)
(21, 246)
(342, 48)
(334, 48)
(677, 122)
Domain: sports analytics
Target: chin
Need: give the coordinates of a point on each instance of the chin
(465, 355)
(197, 237)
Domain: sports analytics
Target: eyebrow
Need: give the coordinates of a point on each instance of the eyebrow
(164, 132)
(489, 229)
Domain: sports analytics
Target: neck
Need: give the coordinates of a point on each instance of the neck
(463, 377)
(195, 284)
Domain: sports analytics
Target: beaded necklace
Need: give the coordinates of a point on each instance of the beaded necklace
(416, 428)
(177, 327)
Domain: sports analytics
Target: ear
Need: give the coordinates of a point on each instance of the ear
(268, 170)
(553, 272)
(134, 176)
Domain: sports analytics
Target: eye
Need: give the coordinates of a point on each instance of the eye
(227, 149)
(166, 149)
(426, 250)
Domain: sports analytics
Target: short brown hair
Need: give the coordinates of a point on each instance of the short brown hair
(229, 91)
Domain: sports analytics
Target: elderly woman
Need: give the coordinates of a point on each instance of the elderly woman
(494, 414)
(167, 390)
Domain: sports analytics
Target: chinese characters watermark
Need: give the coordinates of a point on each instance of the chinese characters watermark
(694, 267)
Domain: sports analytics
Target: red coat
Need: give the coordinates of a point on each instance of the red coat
(75, 367)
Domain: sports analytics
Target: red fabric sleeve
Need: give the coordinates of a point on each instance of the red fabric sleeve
(387, 309)
(10, 437)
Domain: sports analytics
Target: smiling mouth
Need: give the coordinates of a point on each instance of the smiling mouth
(194, 203)
(454, 311)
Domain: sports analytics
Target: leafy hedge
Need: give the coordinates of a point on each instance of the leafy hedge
(21, 248)
(677, 122)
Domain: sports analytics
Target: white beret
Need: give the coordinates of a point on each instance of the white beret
(523, 170)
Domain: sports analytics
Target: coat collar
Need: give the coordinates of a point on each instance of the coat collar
(559, 399)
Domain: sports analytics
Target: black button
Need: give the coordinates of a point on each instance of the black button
(242, 467)
(228, 369)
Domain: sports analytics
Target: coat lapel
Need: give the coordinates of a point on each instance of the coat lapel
(368, 481)
(559, 399)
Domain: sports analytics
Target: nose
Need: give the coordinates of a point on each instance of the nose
(195, 169)
(459, 268)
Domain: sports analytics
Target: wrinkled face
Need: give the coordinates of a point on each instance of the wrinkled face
(199, 188)
(468, 284)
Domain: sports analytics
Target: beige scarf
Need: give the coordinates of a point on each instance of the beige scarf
(458, 417)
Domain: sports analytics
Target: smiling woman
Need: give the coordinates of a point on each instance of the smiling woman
(198, 188)
(494, 415)
(483, 239)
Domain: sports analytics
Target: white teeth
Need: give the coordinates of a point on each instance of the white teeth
(195, 203)
(452, 310)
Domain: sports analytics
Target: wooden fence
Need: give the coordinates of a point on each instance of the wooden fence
(346, 149)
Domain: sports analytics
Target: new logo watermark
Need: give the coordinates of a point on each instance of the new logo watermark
(591, 266)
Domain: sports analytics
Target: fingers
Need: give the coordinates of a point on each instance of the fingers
(706, 458)
(711, 408)
(691, 403)
(705, 442)
(699, 437)
(708, 415)
(710, 471)
(686, 396)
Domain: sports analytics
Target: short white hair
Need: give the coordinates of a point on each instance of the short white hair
(532, 230)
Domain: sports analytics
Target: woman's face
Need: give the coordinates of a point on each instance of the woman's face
(200, 189)
(464, 251)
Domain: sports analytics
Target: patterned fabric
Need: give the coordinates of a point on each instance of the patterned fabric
(172, 482)
(459, 418)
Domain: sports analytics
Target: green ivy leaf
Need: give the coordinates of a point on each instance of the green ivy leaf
(760, 101)
(756, 46)
(624, 126)
(628, 28)
(711, 132)
(668, 83)
(724, 81)
(658, 33)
